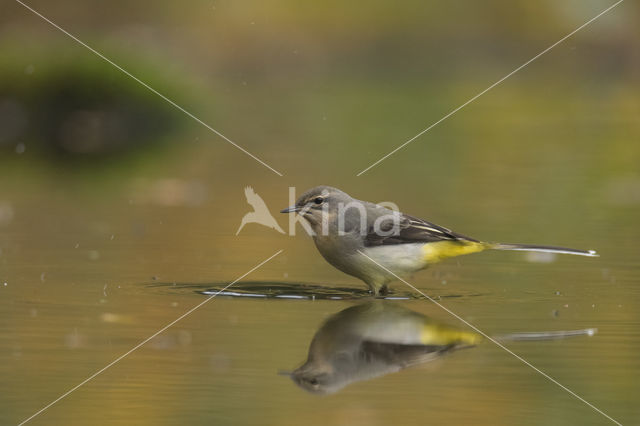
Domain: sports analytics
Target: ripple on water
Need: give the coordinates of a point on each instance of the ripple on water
(288, 290)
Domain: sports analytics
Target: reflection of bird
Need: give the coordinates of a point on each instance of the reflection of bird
(260, 213)
(378, 245)
(373, 339)
(379, 337)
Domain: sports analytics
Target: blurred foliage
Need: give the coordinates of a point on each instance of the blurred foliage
(75, 107)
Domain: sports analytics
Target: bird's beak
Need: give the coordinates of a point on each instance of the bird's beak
(291, 209)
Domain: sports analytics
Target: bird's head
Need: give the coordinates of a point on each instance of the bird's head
(316, 378)
(313, 203)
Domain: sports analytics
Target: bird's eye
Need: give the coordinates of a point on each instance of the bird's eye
(313, 382)
(318, 200)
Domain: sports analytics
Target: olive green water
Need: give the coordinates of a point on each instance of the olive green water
(90, 249)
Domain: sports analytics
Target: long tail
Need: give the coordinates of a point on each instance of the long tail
(544, 249)
(545, 335)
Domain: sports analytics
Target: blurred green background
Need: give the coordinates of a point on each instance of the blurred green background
(104, 185)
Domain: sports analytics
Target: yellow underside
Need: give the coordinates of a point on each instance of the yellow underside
(433, 334)
(435, 252)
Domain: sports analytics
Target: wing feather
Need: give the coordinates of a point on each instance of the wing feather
(412, 230)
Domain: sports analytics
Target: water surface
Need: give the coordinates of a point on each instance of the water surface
(97, 254)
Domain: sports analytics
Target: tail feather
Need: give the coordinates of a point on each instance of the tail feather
(545, 335)
(544, 249)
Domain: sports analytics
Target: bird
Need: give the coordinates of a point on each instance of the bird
(373, 339)
(379, 337)
(260, 213)
(379, 245)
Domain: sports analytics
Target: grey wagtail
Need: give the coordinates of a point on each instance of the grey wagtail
(380, 337)
(354, 235)
(371, 340)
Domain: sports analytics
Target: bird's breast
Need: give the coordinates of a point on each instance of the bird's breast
(339, 251)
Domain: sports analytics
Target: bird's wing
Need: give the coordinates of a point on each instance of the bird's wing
(411, 230)
(402, 356)
(255, 200)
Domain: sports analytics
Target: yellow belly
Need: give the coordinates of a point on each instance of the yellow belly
(435, 252)
(436, 334)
